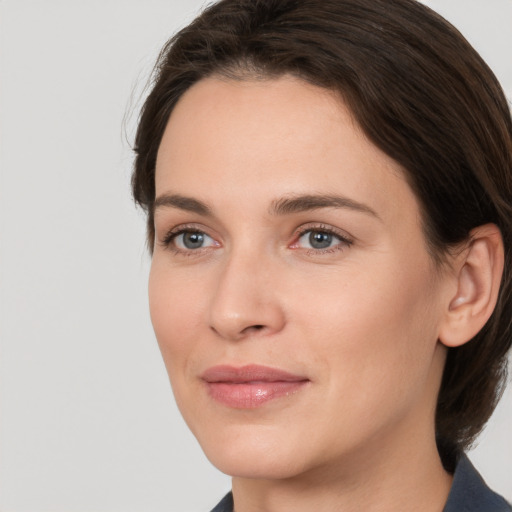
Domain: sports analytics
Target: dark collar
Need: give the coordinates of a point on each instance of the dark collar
(469, 493)
(225, 505)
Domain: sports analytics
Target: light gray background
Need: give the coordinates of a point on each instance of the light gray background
(88, 422)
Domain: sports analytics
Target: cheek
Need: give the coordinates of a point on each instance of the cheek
(174, 305)
(375, 335)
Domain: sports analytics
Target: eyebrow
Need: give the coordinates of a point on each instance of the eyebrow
(282, 206)
(304, 203)
(188, 204)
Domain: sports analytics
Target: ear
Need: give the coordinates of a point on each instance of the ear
(478, 270)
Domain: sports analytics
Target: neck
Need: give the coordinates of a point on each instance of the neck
(415, 480)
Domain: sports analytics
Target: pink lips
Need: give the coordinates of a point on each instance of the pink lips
(250, 386)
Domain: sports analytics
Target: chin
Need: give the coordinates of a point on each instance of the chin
(255, 465)
(254, 454)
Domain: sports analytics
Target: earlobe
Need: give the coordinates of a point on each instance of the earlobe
(478, 268)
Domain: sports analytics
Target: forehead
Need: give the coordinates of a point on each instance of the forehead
(280, 136)
(274, 113)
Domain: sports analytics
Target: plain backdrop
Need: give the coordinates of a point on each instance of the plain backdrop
(88, 422)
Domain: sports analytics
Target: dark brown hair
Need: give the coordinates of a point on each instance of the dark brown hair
(421, 94)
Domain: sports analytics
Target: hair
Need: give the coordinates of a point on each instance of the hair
(420, 93)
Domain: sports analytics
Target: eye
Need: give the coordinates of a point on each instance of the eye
(317, 239)
(321, 240)
(185, 240)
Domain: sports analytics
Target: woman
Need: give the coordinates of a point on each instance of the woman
(328, 188)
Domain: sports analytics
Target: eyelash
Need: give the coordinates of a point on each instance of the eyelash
(345, 242)
(167, 241)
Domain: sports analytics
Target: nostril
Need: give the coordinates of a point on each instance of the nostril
(253, 328)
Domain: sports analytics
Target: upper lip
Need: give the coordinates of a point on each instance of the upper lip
(249, 373)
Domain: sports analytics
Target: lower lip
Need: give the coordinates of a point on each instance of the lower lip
(250, 395)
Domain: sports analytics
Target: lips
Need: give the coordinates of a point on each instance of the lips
(251, 386)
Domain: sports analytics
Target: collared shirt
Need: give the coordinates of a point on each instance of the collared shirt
(469, 493)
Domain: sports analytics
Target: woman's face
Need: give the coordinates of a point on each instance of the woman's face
(291, 292)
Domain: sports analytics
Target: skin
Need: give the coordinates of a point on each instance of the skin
(360, 320)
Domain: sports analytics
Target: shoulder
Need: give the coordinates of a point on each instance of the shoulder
(469, 492)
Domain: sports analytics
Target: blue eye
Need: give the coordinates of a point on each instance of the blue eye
(320, 239)
(190, 240)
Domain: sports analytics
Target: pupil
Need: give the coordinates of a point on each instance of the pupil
(193, 240)
(320, 240)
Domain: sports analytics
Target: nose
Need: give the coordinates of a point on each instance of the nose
(245, 303)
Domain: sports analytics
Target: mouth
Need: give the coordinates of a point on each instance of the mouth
(249, 387)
